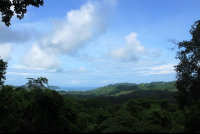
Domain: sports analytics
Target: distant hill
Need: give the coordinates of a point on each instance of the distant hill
(121, 92)
(54, 87)
(126, 84)
(126, 88)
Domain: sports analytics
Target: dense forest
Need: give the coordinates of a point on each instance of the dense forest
(117, 108)
(45, 110)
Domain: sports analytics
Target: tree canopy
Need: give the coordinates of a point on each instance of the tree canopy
(3, 67)
(188, 69)
(19, 8)
(37, 83)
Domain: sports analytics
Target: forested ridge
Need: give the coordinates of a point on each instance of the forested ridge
(120, 92)
(126, 88)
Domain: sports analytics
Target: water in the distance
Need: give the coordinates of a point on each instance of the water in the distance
(76, 88)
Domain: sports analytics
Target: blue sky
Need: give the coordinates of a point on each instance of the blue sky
(95, 43)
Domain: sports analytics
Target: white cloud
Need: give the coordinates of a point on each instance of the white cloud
(79, 27)
(69, 35)
(5, 50)
(36, 58)
(162, 69)
(132, 51)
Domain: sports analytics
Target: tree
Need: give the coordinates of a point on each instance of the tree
(19, 8)
(3, 67)
(37, 83)
(188, 69)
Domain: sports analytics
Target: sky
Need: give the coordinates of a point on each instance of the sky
(93, 43)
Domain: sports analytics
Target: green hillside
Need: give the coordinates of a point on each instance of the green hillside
(121, 92)
(126, 88)
(170, 86)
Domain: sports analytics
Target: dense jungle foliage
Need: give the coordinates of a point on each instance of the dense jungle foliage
(45, 110)
(39, 109)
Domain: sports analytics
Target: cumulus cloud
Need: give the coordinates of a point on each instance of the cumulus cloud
(131, 51)
(5, 50)
(78, 28)
(36, 58)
